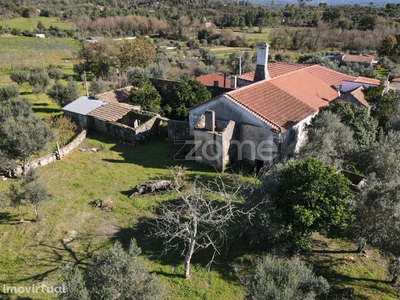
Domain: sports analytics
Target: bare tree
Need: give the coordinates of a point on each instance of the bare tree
(201, 218)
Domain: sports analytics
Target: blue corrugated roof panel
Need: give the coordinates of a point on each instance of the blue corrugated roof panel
(83, 105)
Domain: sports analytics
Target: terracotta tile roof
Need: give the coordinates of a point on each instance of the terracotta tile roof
(396, 79)
(276, 70)
(247, 76)
(271, 105)
(116, 96)
(286, 100)
(208, 80)
(111, 112)
(329, 76)
(358, 58)
(356, 96)
(367, 80)
(341, 54)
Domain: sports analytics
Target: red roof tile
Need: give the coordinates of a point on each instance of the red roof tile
(396, 79)
(286, 100)
(208, 80)
(356, 95)
(367, 80)
(116, 96)
(276, 70)
(111, 112)
(358, 58)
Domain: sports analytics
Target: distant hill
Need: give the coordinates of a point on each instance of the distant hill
(376, 3)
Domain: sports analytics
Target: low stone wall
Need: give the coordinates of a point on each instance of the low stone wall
(125, 133)
(49, 158)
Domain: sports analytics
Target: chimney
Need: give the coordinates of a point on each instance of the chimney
(262, 61)
(210, 120)
(216, 83)
(224, 79)
(233, 82)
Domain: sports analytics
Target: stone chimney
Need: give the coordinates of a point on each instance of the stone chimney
(216, 83)
(210, 120)
(262, 61)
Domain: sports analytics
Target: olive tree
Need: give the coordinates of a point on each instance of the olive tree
(24, 137)
(284, 280)
(64, 94)
(54, 72)
(112, 274)
(377, 215)
(97, 86)
(19, 77)
(394, 269)
(357, 118)
(381, 158)
(38, 80)
(22, 134)
(31, 191)
(8, 92)
(329, 140)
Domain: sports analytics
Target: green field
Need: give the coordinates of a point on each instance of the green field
(42, 105)
(71, 230)
(19, 52)
(30, 253)
(31, 23)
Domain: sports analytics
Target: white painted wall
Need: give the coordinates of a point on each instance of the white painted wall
(262, 54)
(302, 132)
(225, 110)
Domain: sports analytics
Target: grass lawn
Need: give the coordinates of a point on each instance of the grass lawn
(71, 230)
(31, 23)
(42, 105)
(224, 52)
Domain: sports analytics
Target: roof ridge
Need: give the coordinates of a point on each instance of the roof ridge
(279, 63)
(270, 79)
(293, 71)
(343, 74)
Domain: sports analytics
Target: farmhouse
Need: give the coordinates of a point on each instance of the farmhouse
(263, 120)
(362, 59)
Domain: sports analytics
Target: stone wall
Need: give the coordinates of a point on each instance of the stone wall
(126, 133)
(256, 144)
(178, 130)
(52, 157)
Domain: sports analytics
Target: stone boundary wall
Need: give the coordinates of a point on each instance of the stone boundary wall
(52, 157)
